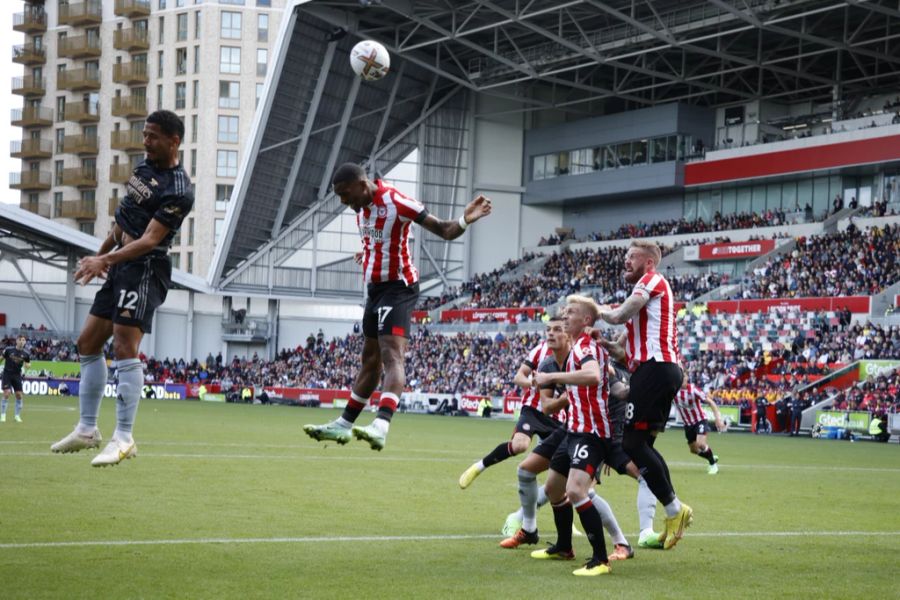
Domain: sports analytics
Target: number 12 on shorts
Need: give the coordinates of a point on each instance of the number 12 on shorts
(128, 300)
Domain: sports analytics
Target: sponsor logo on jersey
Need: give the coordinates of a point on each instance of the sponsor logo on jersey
(373, 232)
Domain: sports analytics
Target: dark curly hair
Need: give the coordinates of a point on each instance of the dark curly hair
(169, 122)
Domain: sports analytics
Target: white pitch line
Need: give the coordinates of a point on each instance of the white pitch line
(404, 538)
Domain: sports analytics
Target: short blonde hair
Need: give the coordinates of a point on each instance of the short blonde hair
(587, 302)
(649, 248)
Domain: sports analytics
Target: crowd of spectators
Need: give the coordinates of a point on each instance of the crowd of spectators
(879, 395)
(472, 285)
(847, 263)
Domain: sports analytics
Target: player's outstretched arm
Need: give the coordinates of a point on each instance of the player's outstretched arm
(624, 312)
(92, 267)
(523, 377)
(720, 424)
(588, 375)
(478, 208)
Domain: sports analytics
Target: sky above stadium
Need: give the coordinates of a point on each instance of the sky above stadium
(8, 101)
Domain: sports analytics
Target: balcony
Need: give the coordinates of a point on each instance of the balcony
(83, 111)
(79, 46)
(131, 40)
(30, 181)
(133, 9)
(81, 177)
(31, 148)
(81, 13)
(41, 209)
(120, 173)
(80, 144)
(131, 73)
(129, 107)
(33, 20)
(32, 116)
(28, 86)
(29, 55)
(113, 205)
(129, 141)
(78, 80)
(77, 209)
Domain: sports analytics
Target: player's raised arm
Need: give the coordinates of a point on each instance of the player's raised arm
(478, 208)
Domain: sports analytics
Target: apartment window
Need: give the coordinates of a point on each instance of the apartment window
(230, 25)
(219, 225)
(229, 60)
(194, 128)
(162, 4)
(190, 228)
(195, 94)
(179, 3)
(196, 59)
(181, 157)
(262, 27)
(180, 61)
(180, 95)
(86, 227)
(193, 162)
(197, 21)
(228, 129)
(57, 172)
(262, 59)
(182, 27)
(223, 195)
(176, 239)
(190, 262)
(57, 202)
(259, 89)
(160, 64)
(226, 163)
(162, 29)
(176, 260)
(60, 109)
(236, 2)
(159, 97)
(229, 94)
(264, 2)
(60, 137)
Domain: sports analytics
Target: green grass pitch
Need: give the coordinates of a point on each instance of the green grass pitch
(234, 501)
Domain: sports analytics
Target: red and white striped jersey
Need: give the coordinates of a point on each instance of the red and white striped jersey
(687, 401)
(384, 228)
(652, 331)
(531, 396)
(588, 408)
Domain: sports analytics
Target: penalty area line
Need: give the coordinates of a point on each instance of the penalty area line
(406, 538)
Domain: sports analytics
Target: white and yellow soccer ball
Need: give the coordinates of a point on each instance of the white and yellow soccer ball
(370, 60)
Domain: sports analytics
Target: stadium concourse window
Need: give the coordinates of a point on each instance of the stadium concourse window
(801, 200)
(611, 156)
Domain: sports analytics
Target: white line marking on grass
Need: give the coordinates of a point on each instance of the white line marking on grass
(404, 538)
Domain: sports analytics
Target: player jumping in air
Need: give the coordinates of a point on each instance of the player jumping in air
(687, 401)
(533, 420)
(384, 217)
(14, 358)
(651, 350)
(135, 263)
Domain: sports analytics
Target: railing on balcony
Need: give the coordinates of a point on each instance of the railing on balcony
(89, 12)
(31, 148)
(80, 144)
(78, 79)
(28, 86)
(79, 46)
(130, 107)
(32, 20)
(29, 54)
(132, 8)
(31, 116)
(30, 180)
(127, 140)
(79, 177)
(77, 209)
(39, 208)
(83, 111)
(120, 173)
(130, 73)
(131, 40)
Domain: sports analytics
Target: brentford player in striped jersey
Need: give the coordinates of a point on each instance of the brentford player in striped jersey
(651, 351)
(532, 418)
(385, 216)
(687, 401)
(586, 445)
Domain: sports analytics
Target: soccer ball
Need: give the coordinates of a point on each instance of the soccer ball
(370, 60)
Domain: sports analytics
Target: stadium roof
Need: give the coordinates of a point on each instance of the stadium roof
(579, 56)
(25, 235)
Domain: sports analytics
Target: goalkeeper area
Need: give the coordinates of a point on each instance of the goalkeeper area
(234, 501)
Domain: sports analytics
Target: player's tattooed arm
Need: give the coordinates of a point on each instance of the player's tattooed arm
(624, 312)
(478, 208)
